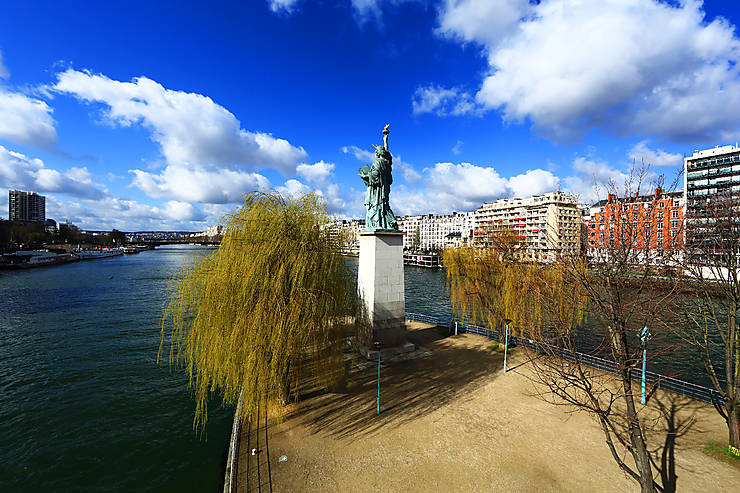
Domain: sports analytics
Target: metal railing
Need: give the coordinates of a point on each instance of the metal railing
(682, 387)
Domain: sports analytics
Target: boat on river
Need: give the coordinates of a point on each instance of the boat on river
(100, 253)
(34, 258)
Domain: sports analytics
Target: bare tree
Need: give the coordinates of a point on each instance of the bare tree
(598, 309)
(713, 259)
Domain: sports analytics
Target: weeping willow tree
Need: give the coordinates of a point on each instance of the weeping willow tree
(265, 310)
(489, 285)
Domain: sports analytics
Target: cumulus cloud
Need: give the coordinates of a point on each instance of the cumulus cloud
(191, 129)
(294, 188)
(631, 66)
(188, 183)
(4, 73)
(128, 215)
(593, 179)
(658, 157)
(465, 186)
(444, 101)
(25, 120)
(400, 166)
(22, 172)
(315, 173)
(484, 21)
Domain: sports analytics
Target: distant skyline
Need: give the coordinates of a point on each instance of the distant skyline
(161, 115)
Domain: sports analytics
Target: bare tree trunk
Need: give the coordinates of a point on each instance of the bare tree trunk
(733, 424)
(639, 449)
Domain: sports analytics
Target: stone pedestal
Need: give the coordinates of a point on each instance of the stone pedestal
(380, 286)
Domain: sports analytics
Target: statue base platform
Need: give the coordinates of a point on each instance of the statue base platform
(381, 288)
(386, 352)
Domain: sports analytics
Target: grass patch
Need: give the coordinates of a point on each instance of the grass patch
(722, 452)
(498, 347)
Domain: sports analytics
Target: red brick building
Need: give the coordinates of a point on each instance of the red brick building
(649, 222)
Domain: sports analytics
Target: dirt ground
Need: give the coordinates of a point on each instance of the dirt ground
(453, 421)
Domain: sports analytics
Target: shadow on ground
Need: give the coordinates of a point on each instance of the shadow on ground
(408, 390)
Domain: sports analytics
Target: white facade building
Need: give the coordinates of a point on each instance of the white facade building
(436, 232)
(346, 231)
(548, 225)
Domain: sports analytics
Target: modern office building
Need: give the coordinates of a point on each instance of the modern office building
(26, 206)
(644, 223)
(709, 175)
(547, 226)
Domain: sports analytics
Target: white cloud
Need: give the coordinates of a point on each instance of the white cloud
(457, 148)
(183, 211)
(642, 153)
(444, 101)
(459, 187)
(533, 182)
(22, 172)
(401, 167)
(315, 173)
(594, 179)
(188, 183)
(294, 189)
(631, 66)
(190, 128)
(4, 73)
(282, 5)
(128, 215)
(483, 21)
(25, 120)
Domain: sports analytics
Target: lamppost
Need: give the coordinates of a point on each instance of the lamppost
(506, 341)
(377, 345)
(644, 336)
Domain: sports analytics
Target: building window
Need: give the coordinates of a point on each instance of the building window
(674, 224)
(660, 235)
(674, 214)
(674, 234)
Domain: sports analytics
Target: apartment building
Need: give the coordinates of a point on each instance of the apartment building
(26, 206)
(652, 222)
(547, 226)
(709, 174)
(435, 232)
(346, 232)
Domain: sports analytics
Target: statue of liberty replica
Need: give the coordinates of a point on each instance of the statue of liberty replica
(380, 271)
(378, 179)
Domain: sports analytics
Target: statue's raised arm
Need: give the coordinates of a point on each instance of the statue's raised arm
(378, 179)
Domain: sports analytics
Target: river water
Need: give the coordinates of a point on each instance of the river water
(84, 406)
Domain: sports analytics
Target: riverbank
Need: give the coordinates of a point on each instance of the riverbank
(453, 421)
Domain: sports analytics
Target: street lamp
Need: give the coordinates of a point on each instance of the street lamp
(644, 336)
(506, 341)
(377, 345)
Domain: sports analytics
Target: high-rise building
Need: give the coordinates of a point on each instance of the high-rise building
(26, 206)
(547, 226)
(710, 175)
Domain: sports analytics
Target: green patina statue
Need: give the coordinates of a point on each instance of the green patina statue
(378, 179)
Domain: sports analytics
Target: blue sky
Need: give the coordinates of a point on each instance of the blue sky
(160, 115)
